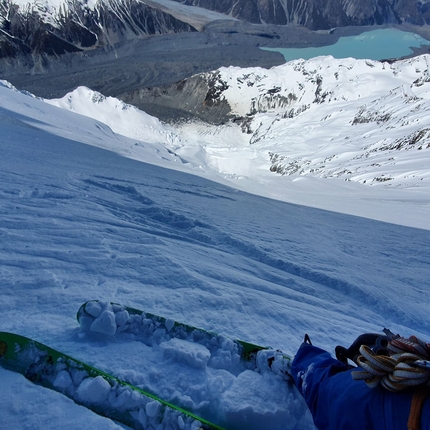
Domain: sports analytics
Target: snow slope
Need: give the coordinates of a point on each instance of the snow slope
(80, 220)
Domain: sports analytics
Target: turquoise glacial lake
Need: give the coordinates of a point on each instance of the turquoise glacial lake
(373, 45)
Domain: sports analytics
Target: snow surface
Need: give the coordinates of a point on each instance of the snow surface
(81, 219)
(28, 406)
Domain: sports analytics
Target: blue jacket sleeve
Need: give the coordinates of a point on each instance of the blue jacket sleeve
(338, 402)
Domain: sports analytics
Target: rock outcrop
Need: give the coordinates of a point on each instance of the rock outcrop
(199, 96)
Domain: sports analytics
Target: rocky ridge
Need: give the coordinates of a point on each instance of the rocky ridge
(75, 26)
(33, 32)
(321, 14)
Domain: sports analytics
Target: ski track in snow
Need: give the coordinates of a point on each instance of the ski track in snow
(78, 222)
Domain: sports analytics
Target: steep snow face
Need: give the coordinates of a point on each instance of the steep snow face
(224, 153)
(301, 83)
(122, 118)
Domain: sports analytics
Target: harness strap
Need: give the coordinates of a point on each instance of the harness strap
(418, 399)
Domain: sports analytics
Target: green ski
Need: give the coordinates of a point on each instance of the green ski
(113, 318)
(93, 388)
(92, 310)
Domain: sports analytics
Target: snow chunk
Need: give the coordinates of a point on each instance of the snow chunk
(152, 409)
(105, 323)
(121, 399)
(190, 353)
(142, 418)
(85, 321)
(93, 308)
(121, 317)
(63, 380)
(169, 324)
(94, 390)
(304, 375)
(181, 423)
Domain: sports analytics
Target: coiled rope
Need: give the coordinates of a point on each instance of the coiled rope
(406, 365)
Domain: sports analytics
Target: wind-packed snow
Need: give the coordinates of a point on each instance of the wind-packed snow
(86, 213)
(29, 406)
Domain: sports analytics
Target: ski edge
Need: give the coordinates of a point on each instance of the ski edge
(11, 344)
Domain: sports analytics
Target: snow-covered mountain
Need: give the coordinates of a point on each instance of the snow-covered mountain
(358, 120)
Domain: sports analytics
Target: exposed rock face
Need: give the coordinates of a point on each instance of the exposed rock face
(321, 14)
(204, 96)
(76, 27)
(199, 96)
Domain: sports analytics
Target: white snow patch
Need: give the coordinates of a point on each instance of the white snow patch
(190, 353)
(105, 324)
(93, 390)
(63, 380)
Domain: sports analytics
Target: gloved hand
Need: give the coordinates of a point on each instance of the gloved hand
(375, 341)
